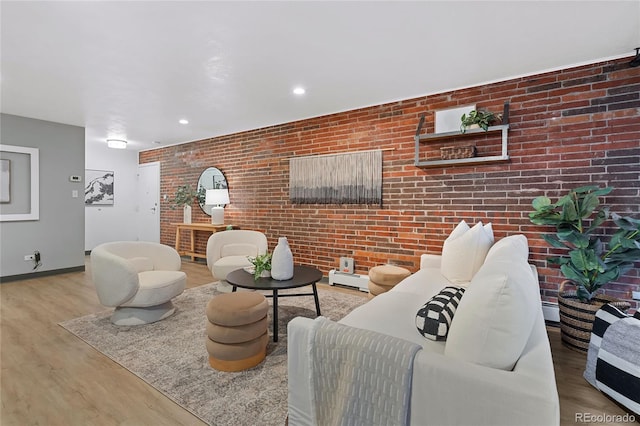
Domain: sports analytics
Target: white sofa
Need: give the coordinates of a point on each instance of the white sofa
(138, 279)
(495, 367)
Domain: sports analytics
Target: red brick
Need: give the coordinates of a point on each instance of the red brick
(550, 152)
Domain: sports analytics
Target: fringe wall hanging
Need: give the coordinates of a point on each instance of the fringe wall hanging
(350, 178)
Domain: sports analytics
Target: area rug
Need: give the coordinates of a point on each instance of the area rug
(170, 355)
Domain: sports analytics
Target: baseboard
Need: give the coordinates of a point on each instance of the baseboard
(361, 282)
(41, 274)
(551, 312)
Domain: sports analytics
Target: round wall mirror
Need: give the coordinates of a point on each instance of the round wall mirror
(211, 178)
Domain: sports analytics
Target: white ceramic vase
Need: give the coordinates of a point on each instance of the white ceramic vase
(282, 261)
(186, 212)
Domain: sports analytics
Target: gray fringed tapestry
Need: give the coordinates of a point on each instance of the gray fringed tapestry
(351, 178)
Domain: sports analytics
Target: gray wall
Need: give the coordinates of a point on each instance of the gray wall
(59, 233)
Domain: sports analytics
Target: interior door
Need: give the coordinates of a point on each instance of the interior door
(148, 217)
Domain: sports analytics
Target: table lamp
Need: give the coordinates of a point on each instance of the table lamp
(217, 198)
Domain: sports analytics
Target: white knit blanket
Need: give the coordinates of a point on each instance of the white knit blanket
(359, 377)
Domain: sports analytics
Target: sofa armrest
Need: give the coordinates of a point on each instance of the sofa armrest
(525, 396)
(300, 411)
(430, 261)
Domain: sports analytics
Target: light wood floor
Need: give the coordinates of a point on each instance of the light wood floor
(50, 377)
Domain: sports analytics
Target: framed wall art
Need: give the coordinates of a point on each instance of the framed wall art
(19, 183)
(99, 187)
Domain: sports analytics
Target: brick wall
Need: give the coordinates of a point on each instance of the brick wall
(568, 128)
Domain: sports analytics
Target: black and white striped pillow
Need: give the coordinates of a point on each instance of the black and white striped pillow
(617, 368)
(434, 317)
(605, 316)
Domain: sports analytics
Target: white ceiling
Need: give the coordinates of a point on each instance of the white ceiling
(131, 70)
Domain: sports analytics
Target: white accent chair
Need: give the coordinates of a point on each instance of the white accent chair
(138, 278)
(230, 250)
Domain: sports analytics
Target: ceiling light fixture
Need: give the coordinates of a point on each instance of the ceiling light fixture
(183, 121)
(299, 91)
(116, 143)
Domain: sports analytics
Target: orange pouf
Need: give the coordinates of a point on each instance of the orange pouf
(384, 277)
(237, 330)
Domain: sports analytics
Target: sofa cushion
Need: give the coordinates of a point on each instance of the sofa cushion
(496, 315)
(464, 251)
(425, 283)
(434, 318)
(393, 314)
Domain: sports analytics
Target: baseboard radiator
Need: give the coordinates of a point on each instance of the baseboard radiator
(551, 311)
(361, 282)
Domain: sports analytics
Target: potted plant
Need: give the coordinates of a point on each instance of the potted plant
(261, 265)
(478, 118)
(185, 196)
(591, 259)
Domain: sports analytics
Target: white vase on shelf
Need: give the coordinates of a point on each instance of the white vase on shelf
(186, 212)
(282, 261)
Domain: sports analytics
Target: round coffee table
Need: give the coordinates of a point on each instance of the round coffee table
(302, 276)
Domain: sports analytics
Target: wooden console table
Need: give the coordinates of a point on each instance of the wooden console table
(192, 228)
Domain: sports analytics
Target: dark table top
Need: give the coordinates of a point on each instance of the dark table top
(302, 275)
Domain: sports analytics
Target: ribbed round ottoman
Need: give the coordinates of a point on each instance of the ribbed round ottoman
(237, 330)
(384, 277)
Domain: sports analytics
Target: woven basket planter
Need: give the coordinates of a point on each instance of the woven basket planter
(576, 317)
(456, 152)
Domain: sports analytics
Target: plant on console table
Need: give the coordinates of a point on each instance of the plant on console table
(185, 196)
(261, 265)
(478, 118)
(589, 262)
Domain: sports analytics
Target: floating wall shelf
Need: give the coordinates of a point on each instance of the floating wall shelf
(503, 128)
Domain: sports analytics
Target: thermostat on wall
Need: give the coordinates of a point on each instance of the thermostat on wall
(75, 178)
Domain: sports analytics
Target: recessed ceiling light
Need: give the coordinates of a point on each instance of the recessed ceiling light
(116, 143)
(299, 90)
(183, 121)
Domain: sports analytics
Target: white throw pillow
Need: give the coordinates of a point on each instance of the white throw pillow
(463, 252)
(513, 245)
(496, 315)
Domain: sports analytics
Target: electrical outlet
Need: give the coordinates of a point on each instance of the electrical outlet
(29, 258)
(635, 295)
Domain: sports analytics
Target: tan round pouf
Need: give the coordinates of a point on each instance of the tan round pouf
(384, 277)
(237, 330)
(376, 289)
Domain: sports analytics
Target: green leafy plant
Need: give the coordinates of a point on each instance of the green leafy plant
(482, 118)
(185, 195)
(589, 262)
(261, 263)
